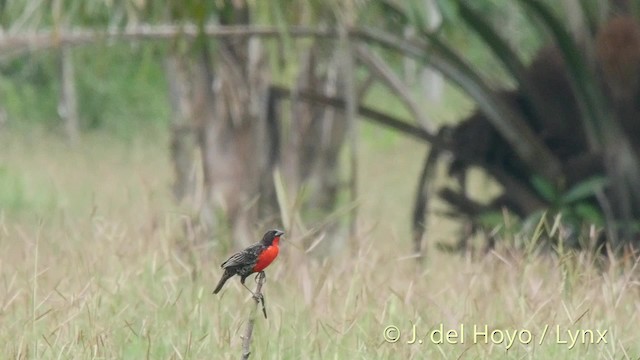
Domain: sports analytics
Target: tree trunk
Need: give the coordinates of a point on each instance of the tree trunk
(238, 158)
(189, 81)
(219, 101)
(68, 102)
(316, 138)
(183, 142)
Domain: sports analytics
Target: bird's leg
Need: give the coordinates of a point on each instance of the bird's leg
(251, 291)
(256, 297)
(261, 274)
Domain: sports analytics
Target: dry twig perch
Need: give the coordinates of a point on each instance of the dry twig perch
(259, 298)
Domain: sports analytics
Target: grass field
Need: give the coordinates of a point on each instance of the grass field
(92, 267)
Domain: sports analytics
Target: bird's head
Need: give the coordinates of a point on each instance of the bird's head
(271, 236)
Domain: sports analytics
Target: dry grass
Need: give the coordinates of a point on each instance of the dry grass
(91, 268)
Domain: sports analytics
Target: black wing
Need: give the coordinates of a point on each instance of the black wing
(247, 256)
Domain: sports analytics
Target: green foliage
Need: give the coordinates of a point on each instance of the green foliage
(578, 203)
(28, 89)
(575, 208)
(122, 91)
(584, 190)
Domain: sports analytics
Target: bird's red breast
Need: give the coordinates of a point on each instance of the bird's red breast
(267, 256)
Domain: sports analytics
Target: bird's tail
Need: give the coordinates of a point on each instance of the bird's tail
(223, 280)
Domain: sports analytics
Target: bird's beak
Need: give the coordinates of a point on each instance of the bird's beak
(279, 233)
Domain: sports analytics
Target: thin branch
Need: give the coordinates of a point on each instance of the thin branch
(248, 333)
(364, 87)
(49, 38)
(369, 113)
(43, 39)
(351, 113)
(421, 204)
(383, 71)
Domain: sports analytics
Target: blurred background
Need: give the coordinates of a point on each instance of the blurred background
(248, 98)
(415, 135)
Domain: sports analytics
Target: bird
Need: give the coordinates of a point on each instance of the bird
(253, 259)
